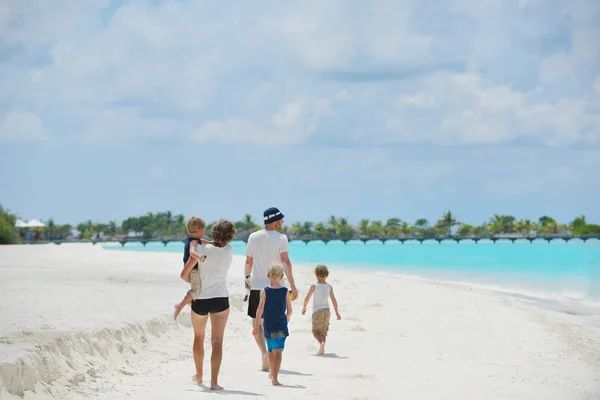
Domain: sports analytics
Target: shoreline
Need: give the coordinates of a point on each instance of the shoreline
(441, 334)
(574, 302)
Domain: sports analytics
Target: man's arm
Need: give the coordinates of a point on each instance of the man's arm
(259, 312)
(334, 302)
(287, 268)
(308, 296)
(248, 272)
(288, 307)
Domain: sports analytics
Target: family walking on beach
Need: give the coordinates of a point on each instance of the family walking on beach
(206, 265)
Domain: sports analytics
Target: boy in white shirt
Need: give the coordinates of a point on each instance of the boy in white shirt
(322, 292)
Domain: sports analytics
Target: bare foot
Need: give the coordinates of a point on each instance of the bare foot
(275, 382)
(214, 386)
(321, 350)
(265, 362)
(178, 308)
(196, 380)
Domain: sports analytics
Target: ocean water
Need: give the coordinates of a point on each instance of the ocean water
(555, 270)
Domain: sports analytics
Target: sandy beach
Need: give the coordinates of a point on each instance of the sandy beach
(81, 322)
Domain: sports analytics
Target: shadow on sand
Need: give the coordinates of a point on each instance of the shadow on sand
(203, 388)
(291, 386)
(331, 355)
(285, 372)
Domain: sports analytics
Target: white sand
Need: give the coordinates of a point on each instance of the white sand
(78, 322)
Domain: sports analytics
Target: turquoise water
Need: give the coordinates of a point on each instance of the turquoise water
(556, 269)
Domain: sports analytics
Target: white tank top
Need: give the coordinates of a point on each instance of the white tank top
(321, 296)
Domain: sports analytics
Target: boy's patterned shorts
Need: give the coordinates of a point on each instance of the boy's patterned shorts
(195, 284)
(320, 321)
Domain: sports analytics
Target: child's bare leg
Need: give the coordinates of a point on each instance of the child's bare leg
(318, 337)
(276, 365)
(322, 346)
(178, 307)
(270, 355)
(321, 339)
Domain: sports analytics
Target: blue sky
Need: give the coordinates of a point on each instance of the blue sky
(405, 109)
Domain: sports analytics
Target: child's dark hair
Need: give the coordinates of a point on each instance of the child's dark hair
(321, 271)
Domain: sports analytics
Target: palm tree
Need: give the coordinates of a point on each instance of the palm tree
(296, 228)
(51, 227)
(392, 226)
(422, 223)
(307, 228)
(112, 228)
(479, 230)
(363, 226)
(321, 231)
(405, 228)
(333, 224)
(344, 229)
(246, 224)
(545, 220)
(502, 223)
(465, 229)
(578, 222)
(376, 229)
(448, 221)
(495, 224)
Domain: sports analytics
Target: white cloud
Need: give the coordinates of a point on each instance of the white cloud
(468, 111)
(104, 71)
(419, 100)
(289, 114)
(22, 126)
(292, 123)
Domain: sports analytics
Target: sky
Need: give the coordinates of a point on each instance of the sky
(394, 108)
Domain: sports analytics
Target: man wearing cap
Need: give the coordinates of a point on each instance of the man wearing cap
(263, 248)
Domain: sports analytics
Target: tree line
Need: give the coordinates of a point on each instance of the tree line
(447, 225)
(166, 224)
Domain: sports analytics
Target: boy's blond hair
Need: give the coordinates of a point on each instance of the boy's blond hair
(194, 224)
(321, 271)
(275, 270)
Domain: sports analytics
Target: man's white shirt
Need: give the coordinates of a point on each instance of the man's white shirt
(265, 247)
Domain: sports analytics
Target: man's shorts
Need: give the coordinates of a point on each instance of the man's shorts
(194, 283)
(253, 301)
(274, 344)
(320, 321)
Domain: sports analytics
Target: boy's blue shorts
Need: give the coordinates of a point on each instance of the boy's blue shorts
(274, 344)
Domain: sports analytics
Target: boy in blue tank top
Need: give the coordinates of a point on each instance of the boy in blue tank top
(275, 308)
(196, 228)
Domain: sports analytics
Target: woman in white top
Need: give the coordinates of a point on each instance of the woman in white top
(213, 300)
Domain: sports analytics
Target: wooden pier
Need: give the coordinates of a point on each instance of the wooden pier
(383, 239)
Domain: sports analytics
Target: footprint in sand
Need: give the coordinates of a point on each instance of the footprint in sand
(361, 376)
(358, 328)
(303, 330)
(374, 305)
